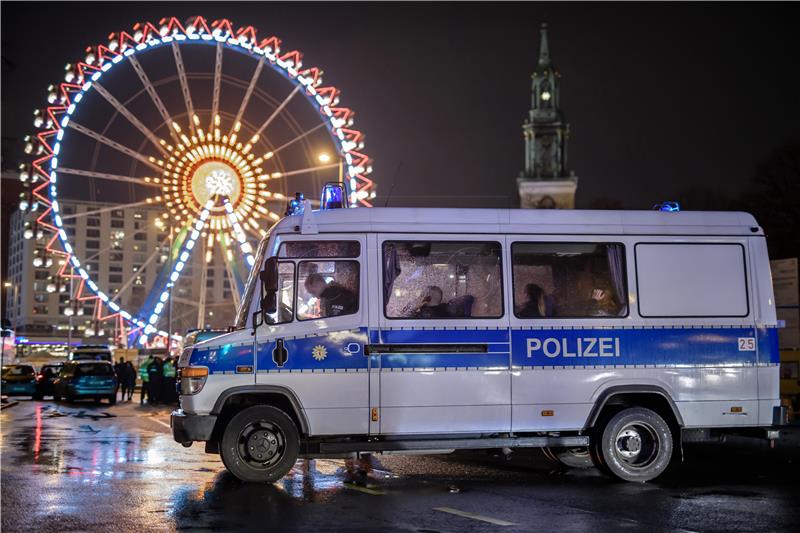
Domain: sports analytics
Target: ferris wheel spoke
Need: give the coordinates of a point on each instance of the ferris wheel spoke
(303, 170)
(228, 260)
(279, 109)
(217, 78)
(125, 112)
(187, 96)
(106, 176)
(114, 207)
(142, 268)
(298, 138)
(249, 92)
(113, 144)
(151, 90)
(185, 252)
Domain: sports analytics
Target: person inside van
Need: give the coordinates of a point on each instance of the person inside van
(536, 305)
(431, 305)
(603, 303)
(335, 299)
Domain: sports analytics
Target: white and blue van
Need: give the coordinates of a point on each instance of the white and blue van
(604, 336)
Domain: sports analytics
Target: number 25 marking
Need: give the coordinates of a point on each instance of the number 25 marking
(747, 344)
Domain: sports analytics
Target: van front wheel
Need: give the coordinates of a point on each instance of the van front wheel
(636, 445)
(260, 444)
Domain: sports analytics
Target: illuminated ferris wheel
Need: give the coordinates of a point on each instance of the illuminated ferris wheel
(206, 122)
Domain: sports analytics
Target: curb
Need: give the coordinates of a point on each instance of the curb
(8, 404)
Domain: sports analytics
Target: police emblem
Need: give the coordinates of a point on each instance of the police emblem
(319, 352)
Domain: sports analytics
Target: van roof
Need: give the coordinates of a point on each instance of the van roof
(525, 221)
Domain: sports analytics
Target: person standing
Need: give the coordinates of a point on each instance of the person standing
(122, 383)
(144, 373)
(129, 373)
(168, 386)
(155, 372)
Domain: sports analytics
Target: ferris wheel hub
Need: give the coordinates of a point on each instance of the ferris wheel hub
(215, 178)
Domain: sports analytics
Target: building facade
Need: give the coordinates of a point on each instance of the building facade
(124, 250)
(545, 182)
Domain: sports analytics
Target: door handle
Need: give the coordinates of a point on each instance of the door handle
(279, 354)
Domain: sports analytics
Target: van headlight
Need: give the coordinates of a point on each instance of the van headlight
(193, 378)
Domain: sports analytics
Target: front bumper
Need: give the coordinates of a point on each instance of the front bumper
(188, 427)
(18, 389)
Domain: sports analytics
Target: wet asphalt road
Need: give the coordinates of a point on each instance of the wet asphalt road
(87, 467)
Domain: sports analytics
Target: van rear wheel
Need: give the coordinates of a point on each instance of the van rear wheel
(260, 444)
(636, 445)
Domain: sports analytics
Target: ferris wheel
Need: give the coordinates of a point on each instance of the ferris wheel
(209, 124)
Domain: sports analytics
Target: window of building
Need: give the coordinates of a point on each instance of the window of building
(118, 213)
(115, 278)
(40, 310)
(140, 236)
(93, 222)
(298, 249)
(115, 268)
(691, 280)
(209, 283)
(138, 215)
(115, 256)
(569, 280)
(95, 233)
(442, 279)
(115, 223)
(327, 289)
(92, 245)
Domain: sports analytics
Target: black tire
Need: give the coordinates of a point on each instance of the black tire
(38, 397)
(56, 397)
(636, 445)
(260, 444)
(112, 400)
(576, 457)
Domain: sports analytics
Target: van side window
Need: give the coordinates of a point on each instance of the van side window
(285, 298)
(569, 280)
(300, 249)
(691, 280)
(327, 289)
(442, 279)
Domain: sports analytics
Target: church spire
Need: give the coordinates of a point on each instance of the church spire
(544, 48)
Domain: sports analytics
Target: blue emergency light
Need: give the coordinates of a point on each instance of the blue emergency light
(333, 196)
(669, 207)
(296, 205)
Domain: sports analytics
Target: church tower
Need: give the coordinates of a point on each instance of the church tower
(546, 183)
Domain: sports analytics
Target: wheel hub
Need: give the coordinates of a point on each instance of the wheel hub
(262, 445)
(629, 443)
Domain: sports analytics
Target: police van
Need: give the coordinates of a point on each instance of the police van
(607, 335)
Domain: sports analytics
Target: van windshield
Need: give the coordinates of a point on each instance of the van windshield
(250, 287)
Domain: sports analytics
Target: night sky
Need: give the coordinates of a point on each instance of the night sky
(660, 98)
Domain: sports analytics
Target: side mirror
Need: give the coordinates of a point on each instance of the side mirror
(269, 289)
(269, 275)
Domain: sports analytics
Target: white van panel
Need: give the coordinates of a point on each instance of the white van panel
(691, 280)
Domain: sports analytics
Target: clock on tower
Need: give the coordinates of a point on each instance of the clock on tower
(545, 181)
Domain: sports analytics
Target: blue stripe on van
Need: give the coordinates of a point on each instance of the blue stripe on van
(672, 346)
(553, 347)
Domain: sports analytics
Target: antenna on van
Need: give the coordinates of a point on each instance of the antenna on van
(394, 182)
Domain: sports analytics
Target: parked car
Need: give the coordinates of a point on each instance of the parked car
(45, 378)
(18, 380)
(86, 379)
(91, 352)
